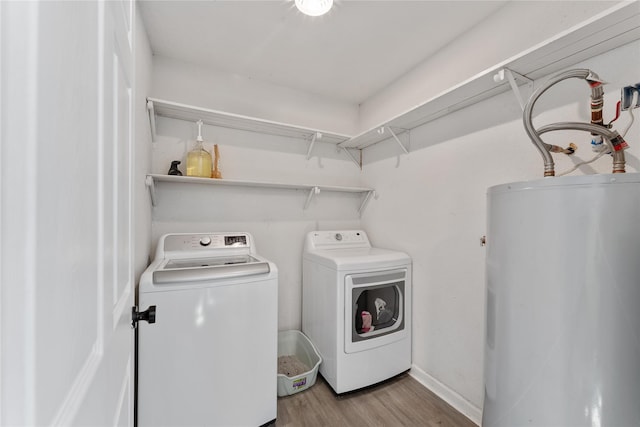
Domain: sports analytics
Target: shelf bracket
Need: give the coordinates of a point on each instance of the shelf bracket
(381, 130)
(152, 189)
(511, 77)
(152, 119)
(353, 159)
(315, 137)
(365, 202)
(312, 192)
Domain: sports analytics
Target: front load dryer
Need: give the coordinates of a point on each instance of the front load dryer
(356, 308)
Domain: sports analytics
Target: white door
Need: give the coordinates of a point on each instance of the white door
(66, 355)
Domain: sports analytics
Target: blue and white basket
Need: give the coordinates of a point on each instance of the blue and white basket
(295, 343)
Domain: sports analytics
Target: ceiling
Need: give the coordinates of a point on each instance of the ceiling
(356, 50)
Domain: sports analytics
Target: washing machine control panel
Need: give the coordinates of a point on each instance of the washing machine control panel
(200, 241)
(338, 239)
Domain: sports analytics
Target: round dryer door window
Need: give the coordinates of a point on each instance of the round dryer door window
(375, 306)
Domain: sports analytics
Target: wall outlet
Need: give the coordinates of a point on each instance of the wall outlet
(627, 97)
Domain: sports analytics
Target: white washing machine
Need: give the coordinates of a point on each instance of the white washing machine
(211, 356)
(356, 308)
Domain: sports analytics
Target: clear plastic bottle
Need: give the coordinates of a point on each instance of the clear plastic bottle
(199, 159)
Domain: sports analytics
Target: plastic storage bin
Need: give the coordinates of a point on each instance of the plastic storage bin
(295, 343)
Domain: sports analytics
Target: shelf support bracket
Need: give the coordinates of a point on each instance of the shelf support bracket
(152, 189)
(395, 137)
(315, 137)
(365, 202)
(152, 119)
(353, 159)
(511, 77)
(312, 192)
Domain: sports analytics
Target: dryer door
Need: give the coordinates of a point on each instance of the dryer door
(374, 309)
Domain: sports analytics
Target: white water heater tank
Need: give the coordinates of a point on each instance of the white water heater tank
(563, 302)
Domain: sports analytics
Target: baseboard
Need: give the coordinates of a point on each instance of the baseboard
(454, 399)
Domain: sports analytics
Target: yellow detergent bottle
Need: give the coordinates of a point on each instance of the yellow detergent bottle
(199, 159)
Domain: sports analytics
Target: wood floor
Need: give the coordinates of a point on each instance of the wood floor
(401, 401)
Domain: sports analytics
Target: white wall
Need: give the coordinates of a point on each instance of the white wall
(196, 85)
(432, 205)
(142, 151)
(517, 26)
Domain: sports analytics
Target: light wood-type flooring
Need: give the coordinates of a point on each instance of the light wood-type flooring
(400, 401)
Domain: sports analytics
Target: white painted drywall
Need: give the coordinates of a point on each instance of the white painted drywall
(141, 151)
(195, 85)
(515, 27)
(432, 205)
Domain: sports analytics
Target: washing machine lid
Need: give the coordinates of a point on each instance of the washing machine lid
(358, 258)
(175, 271)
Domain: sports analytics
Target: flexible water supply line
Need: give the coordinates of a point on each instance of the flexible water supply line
(612, 138)
(595, 127)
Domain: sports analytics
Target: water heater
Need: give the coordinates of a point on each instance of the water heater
(563, 302)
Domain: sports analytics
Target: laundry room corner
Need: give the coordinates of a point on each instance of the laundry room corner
(429, 202)
(320, 213)
(451, 164)
(277, 218)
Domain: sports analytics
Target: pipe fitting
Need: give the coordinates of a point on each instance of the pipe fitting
(614, 140)
(596, 126)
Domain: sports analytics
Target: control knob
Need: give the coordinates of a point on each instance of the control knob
(205, 241)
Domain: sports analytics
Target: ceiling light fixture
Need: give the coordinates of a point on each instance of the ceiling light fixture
(314, 7)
